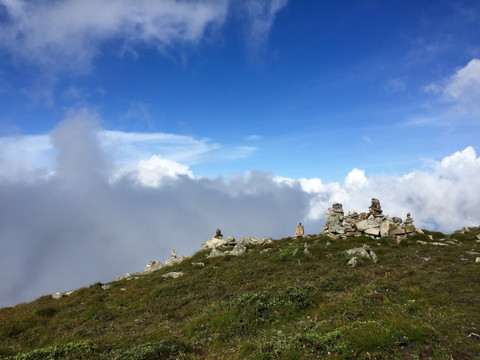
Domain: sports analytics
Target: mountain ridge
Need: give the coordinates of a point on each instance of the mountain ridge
(297, 300)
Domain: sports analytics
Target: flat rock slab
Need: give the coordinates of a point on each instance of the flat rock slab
(366, 224)
(373, 231)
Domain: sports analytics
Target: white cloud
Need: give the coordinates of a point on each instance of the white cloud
(25, 158)
(261, 15)
(68, 34)
(356, 179)
(462, 88)
(77, 216)
(151, 172)
(254, 137)
(396, 85)
(444, 198)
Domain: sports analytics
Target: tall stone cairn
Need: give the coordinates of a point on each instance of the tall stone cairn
(334, 219)
(375, 209)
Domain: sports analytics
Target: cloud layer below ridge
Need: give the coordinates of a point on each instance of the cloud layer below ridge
(73, 223)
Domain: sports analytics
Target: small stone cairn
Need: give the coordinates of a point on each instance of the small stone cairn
(299, 231)
(374, 223)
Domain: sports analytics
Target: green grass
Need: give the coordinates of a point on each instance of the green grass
(416, 302)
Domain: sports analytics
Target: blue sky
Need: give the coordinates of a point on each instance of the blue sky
(144, 125)
(321, 88)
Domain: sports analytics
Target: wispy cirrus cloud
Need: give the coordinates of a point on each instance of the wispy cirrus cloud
(260, 15)
(68, 34)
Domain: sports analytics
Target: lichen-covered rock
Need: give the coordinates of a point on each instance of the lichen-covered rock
(173, 275)
(215, 252)
(239, 249)
(213, 243)
(364, 251)
(352, 262)
(152, 266)
(174, 260)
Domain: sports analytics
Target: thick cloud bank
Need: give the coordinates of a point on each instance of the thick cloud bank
(86, 220)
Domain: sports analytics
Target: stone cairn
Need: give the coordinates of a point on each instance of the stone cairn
(299, 231)
(373, 223)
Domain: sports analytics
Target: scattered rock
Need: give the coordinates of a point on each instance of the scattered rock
(173, 259)
(106, 287)
(352, 262)
(438, 244)
(199, 264)
(364, 251)
(239, 249)
(422, 242)
(57, 296)
(477, 260)
(266, 250)
(213, 243)
(152, 266)
(472, 252)
(306, 246)
(215, 253)
(266, 240)
(173, 275)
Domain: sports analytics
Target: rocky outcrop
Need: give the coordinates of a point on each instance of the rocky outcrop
(214, 243)
(173, 259)
(374, 223)
(152, 266)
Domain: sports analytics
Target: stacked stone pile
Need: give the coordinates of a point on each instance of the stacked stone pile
(218, 245)
(374, 223)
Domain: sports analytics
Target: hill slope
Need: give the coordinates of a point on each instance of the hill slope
(418, 301)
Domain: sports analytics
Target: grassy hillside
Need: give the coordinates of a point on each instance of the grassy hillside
(417, 302)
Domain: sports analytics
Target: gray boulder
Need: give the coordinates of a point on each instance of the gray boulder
(366, 224)
(173, 275)
(57, 296)
(172, 260)
(214, 243)
(152, 266)
(364, 251)
(352, 262)
(239, 249)
(215, 253)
